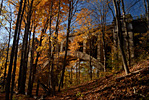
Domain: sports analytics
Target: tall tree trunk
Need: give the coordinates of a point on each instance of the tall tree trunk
(103, 37)
(68, 31)
(14, 69)
(76, 73)
(38, 53)
(50, 47)
(54, 51)
(24, 65)
(16, 51)
(71, 76)
(21, 64)
(90, 61)
(7, 50)
(97, 73)
(98, 51)
(24, 68)
(12, 53)
(145, 6)
(104, 47)
(79, 70)
(29, 91)
(37, 88)
(119, 31)
(35, 66)
(126, 30)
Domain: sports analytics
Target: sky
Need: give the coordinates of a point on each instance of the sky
(136, 10)
(3, 32)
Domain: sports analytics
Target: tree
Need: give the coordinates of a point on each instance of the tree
(70, 15)
(50, 45)
(12, 53)
(126, 30)
(146, 6)
(16, 51)
(38, 54)
(10, 23)
(119, 32)
(90, 61)
(100, 13)
(25, 50)
(30, 85)
(54, 50)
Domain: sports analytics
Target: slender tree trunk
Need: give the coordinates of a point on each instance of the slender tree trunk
(98, 51)
(16, 51)
(147, 17)
(76, 73)
(71, 76)
(29, 91)
(104, 47)
(50, 47)
(119, 30)
(103, 37)
(54, 51)
(126, 30)
(14, 69)
(145, 6)
(21, 64)
(79, 70)
(90, 61)
(38, 54)
(148, 13)
(7, 51)
(35, 66)
(97, 73)
(68, 31)
(57, 55)
(12, 53)
(1, 7)
(37, 89)
(24, 68)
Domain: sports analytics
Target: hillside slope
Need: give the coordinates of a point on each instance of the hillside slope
(134, 86)
(116, 86)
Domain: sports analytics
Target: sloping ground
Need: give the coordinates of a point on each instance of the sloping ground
(23, 97)
(134, 86)
(117, 86)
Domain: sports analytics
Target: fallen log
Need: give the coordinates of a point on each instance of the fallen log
(133, 73)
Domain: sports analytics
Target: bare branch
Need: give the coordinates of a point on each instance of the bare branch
(128, 9)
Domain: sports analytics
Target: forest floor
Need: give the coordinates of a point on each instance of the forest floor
(116, 86)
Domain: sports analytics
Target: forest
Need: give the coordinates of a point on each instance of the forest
(74, 49)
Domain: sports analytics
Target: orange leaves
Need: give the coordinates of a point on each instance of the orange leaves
(74, 46)
(60, 37)
(83, 16)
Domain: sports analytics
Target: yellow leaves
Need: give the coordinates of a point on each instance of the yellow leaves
(45, 40)
(60, 37)
(4, 11)
(39, 48)
(74, 46)
(136, 34)
(83, 16)
(73, 62)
